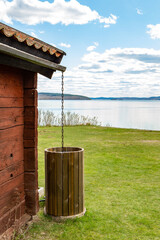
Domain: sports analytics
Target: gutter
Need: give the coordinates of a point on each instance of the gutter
(30, 58)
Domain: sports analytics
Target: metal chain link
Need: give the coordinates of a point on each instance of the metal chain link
(62, 113)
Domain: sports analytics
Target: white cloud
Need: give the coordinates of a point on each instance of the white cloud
(154, 31)
(139, 12)
(65, 45)
(59, 11)
(4, 6)
(112, 19)
(96, 44)
(92, 47)
(117, 72)
(33, 34)
(54, 45)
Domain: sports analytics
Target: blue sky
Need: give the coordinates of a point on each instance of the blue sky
(112, 46)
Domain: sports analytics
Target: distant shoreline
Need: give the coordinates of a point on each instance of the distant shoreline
(128, 99)
(57, 96)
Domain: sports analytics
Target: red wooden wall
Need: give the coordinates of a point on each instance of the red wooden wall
(18, 146)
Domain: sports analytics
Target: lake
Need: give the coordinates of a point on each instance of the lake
(123, 114)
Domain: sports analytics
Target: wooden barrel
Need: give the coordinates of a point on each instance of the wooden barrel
(64, 184)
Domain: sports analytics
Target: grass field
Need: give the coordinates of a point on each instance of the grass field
(122, 184)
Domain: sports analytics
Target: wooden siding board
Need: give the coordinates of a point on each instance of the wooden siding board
(8, 219)
(13, 139)
(52, 187)
(76, 183)
(30, 80)
(11, 172)
(53, 177)
(11, 146)
(30, 143)
(31, 201)
(81, 183)
(11, 184)
(11, 82)
(12, 133)
(6, 102)
(30, 181)
(71, 186)
(30, 154)
(11, 199)
(65, 185)
(30, 97)
(46, 181)
(59, 186)
(30, 119)
(11, 117)
(29, 133)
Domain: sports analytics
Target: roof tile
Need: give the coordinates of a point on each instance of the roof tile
(45, 48)
(8, 32)
(38, 45)
(51, 51)
(30, 41)
(20, 36)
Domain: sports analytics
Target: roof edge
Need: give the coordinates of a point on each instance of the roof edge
(31, 37)
(30, 58)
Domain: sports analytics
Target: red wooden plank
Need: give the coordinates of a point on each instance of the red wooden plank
(30, 181)
(29, 133)
(30, 159)
(30, 143)
(11, 102)
(30, 117)
(30, 97)
(11, 82)
(11, 133)
(10, 117)
(11, 172)
(23, 208)
(32, 202)
(11, 146)
(30, 112)
(11, 184)
(7, 220)
(11, 199)
(30, 80)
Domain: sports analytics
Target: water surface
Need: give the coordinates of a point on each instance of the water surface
(123, 114)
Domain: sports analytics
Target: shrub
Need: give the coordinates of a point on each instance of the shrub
(48, 118)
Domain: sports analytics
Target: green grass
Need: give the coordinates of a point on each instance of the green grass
(122, 184)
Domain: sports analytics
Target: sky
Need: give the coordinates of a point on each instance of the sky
(112, 46)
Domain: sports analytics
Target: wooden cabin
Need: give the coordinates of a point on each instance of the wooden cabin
(21, 58)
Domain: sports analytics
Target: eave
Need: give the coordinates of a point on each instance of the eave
(15, 57)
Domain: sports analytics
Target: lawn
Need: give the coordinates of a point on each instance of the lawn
(122, 184)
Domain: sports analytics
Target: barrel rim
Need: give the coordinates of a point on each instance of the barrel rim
(65, 150)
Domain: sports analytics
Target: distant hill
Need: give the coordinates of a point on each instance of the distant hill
(126, 98)
(57, 96)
